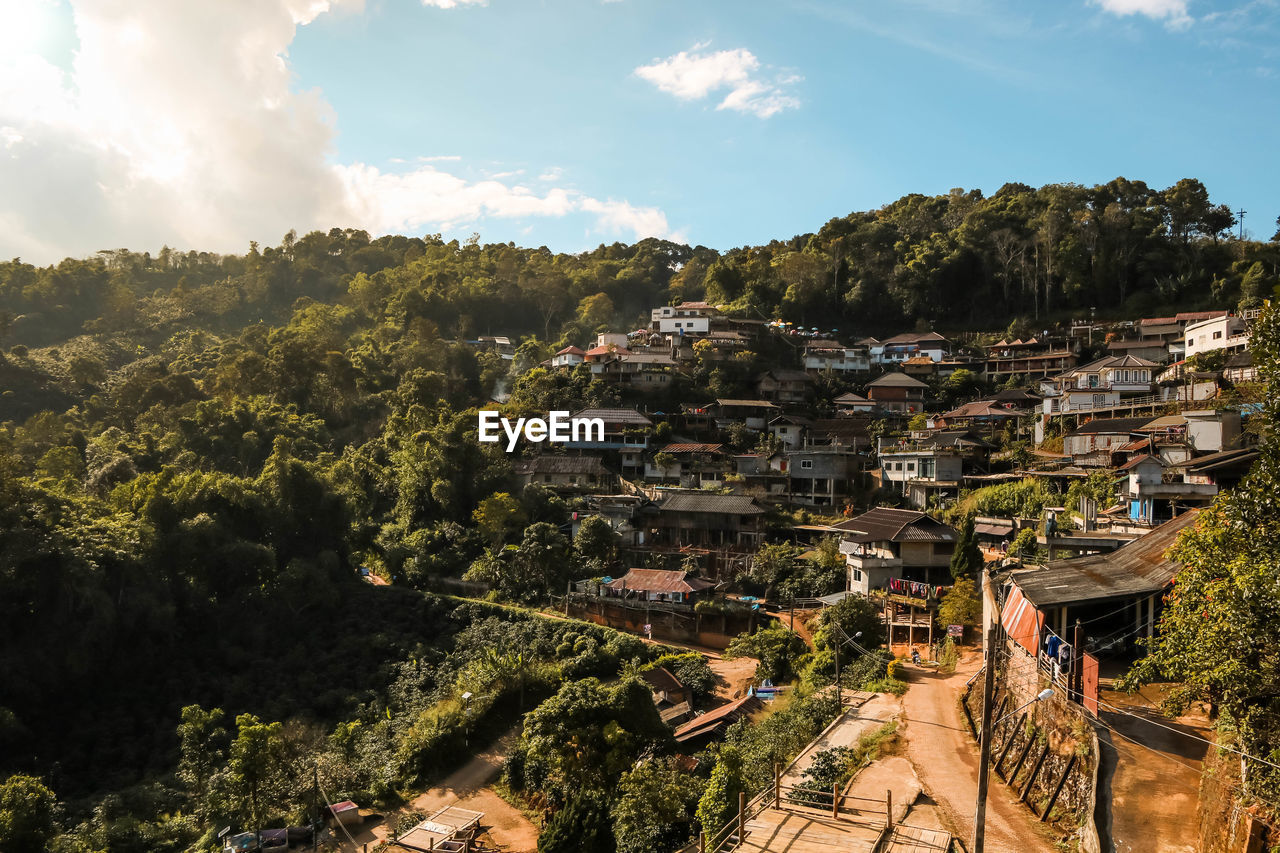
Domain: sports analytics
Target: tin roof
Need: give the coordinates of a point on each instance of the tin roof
(704, 502)
(658, 580)
(719, 718)
(1138, 568)
(885, 524)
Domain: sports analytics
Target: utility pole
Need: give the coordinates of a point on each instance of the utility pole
(984, 761)
(1240, 218)
(839, 633)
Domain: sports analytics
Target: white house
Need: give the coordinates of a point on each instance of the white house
(829, 356)
(687, 318)
(1219, 333)
(568, 357)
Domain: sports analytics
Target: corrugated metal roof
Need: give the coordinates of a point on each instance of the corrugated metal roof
(896, 380)
(561, 465)
(698, 502)
(692, 448)
(1116, 426)
(1138, 568)
(616, 416)
(759, 404)
(885, 524)
(718, 718)
(658, 580)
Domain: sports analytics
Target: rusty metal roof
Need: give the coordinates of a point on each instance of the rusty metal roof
(1136, 569)
(885, 524)
(658, 580)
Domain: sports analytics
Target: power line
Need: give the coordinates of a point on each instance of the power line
(343, 826)
(1224, 747)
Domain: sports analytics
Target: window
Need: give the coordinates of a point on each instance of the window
(911, 466)
(855, 575)
(806, 463)
(1217, 335)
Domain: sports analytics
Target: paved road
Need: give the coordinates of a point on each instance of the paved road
(1167, 762)
(946, 760)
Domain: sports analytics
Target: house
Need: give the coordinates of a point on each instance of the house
(1227, 332)
(790, 429)
(1101, 383)
(696, 733)
(667, 689)
(597, 356)
(564, 473)
(754, 414)
(920, 473)
(1224, 469)
(641, 371)
(1239, 368)
(898, 392)
(613, 339)
(621, 511)
(1154, 491)
(1116, 594)
(848, 433)
(874, 348)
(817, 476)
(784, 386)
(687, 318)
(899, 348)
(625, 431)
(1154, 350)
(982, 413)
(832, 357)
(884, 543)
(693, 465)
(708, 520)
(657, 585)
(1030, 359)
(1100, 435)
(850, 403)
(496, 343)
(1202, 430)
(568, 357)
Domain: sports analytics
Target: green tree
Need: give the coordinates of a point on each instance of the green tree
(719, 803)
(776, 648)
(596, 542)
(966, 560)
(582, 825)
(961, 605)
(655, 807)
(27, 810)
(201, 752)
(496, 516)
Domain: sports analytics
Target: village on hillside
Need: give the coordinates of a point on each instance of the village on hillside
(998, 505)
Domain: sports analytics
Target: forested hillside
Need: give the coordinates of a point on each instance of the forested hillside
(199, 451)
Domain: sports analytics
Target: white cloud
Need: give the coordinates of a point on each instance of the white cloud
(693, 74)
(453, 4)
(1173, 12)
(180, 123)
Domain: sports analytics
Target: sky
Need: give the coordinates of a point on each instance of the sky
(570, 123)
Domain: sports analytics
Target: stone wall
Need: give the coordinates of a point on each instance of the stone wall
(1046, 740)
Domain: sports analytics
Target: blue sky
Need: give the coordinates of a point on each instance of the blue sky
(568, 123)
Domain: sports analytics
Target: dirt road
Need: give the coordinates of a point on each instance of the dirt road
(946, 760)
(1170, 763)
(467, 788)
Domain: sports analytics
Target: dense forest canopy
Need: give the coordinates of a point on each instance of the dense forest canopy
(197, 452)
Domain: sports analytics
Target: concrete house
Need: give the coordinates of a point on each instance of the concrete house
(687, 318)
(898, 392)
(784, 386)
(886, 543)
(832, 357)
(1227, 332)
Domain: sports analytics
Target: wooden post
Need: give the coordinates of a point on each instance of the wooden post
(835, 799)
(1076, 680)
(1008, 741)
(1035, 771)
(1022, 756)
(984, 761)
(777, 786)
(888, 807)
(742, 815)
(1057, 789)
(702, 842)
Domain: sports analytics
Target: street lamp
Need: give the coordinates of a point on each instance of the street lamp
(1040, 697)
(980, 814)
(466, 715)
